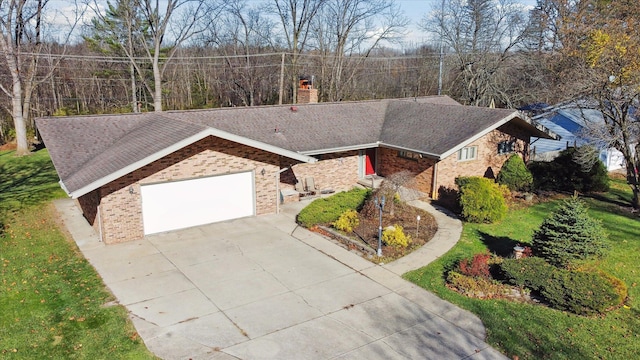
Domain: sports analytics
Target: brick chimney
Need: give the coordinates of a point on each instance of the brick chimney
(306, 93)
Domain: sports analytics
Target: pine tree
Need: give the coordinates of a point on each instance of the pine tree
(569, 233)
(515, 175)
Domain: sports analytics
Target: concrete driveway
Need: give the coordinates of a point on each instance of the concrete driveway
(263, 288)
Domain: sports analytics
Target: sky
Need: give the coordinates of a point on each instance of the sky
(415, 11)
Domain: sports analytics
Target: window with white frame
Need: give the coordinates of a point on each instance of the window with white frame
(506, 147)
(468, 153)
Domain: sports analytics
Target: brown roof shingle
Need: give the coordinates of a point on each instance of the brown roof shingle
(89, 150)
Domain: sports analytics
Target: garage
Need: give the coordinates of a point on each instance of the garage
(181, 204)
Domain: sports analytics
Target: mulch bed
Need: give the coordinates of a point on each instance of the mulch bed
(404, 215)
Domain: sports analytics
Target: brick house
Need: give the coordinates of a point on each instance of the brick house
(138, 174)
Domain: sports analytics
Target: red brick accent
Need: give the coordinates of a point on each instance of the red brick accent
(120, 212)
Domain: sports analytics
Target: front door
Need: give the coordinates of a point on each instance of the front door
(370, 162)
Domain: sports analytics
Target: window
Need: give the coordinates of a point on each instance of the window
(409, 155)
(506, 147)
(468, 153)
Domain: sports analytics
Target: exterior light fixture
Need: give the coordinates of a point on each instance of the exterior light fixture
(131, 190)
(417, 225)
(380, 206)
(263, 171)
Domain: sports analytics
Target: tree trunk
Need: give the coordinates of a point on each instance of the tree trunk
(157, 91)
(18, 118)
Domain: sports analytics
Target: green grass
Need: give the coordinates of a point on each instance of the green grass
(538, 332)
(53, 304)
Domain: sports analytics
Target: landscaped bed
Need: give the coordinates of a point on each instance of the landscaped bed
(534, 330)
(321, 216)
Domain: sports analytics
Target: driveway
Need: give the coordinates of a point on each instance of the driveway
(263, 288)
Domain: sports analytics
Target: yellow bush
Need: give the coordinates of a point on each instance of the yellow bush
(347, 221)
(395, 237)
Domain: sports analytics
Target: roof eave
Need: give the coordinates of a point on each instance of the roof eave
(179, 145)
(404, 148)
(340, 149)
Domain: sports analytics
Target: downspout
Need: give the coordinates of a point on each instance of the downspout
(277, 175)
(99, 223)
(434, 182)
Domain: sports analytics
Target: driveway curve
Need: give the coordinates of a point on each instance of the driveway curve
(264, 288)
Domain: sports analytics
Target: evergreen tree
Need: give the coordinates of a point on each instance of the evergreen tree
(515, 175)
(569, 233)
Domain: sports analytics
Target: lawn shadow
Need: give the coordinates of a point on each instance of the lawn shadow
(499, 245)
(616, 199)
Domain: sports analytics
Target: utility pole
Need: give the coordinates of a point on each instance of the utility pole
(441, 49)
(281, 79)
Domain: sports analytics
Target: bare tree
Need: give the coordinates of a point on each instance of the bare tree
(243, 32)
(296, 17)
(482, 36)
(22, 23)
(168, 25)
(347, 31)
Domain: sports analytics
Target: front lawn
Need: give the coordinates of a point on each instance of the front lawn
(537, 332)
(53, 304)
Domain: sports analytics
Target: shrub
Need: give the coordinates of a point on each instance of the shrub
(567, 173)
(474, 286)
(481, 200)
(328, 210)
(347, 221)
(515, 175)
(580, 292)
(569, 233)
(395, 237)
(530, 272)
(583, 293)
(477, 266)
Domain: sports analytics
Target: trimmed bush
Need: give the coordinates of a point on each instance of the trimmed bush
(583, 293)
(395, 237)
(472, 286)
(566, 174)
(568, 234)
(347, 221)
(515, 175)
(477, 266)
(481, 200)
(531, 272)
(580, 292)
(328, 210)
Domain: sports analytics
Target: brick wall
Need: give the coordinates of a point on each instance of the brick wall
(121, 211)
(488, 162)
(389, 163)
(307, 96)
(337, 171)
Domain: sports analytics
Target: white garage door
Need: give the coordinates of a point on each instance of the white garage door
(181, 204)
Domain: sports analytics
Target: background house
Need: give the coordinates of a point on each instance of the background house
(138, 174)
(569, 121)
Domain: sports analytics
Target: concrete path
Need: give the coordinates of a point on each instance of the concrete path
(264, 288)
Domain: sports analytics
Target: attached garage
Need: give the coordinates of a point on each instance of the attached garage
(182, 204)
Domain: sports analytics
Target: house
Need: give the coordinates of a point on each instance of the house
(138, 174)
(569, 121)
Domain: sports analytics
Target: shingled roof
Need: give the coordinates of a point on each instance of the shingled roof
(91, 151)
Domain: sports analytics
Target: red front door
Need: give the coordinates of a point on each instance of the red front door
(370, 162)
